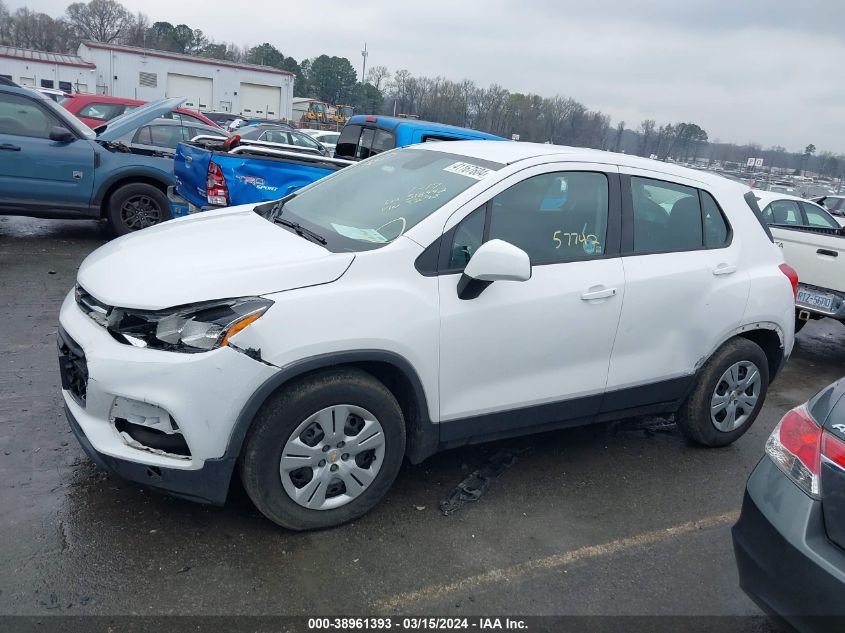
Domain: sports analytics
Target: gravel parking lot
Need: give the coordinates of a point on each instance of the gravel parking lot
(618, 519)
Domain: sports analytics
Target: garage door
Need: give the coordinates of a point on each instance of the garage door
(196, 90)
(260, 101)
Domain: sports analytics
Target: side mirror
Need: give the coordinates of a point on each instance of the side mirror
(495, 260)
(61, 135)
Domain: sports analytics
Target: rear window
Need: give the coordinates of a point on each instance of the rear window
(348, 141)
(102, 111)
(357, 142)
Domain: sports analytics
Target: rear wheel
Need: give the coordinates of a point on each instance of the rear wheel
(137, 206)
(728, 395)
(323, 451)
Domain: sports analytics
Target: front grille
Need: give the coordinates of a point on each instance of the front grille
(96, 310)
(72, 366)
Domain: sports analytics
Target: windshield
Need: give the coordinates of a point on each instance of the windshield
(373, 203)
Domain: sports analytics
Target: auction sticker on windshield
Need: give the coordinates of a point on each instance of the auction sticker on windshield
(469, 170)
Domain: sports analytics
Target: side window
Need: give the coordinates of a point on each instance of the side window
(667, 217)
(365, 144)
(560, 216)
(142, 136)
(817, 217)
(783, 212)
(469, 235)
(382, 142)
(348, 141)
(716, 231)
(166, 135)
(20, 116)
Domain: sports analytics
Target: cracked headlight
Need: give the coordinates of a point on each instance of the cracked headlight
(195, 328)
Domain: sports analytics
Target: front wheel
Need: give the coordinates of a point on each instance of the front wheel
(137, 206)
(728, 395)
(324, 450)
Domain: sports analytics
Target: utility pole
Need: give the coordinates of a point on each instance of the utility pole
(364, 54)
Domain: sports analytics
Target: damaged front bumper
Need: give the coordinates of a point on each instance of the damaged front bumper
(159, 418)
(209, 484)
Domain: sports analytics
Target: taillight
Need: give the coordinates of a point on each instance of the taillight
(216, 190)
(795, 446)
(792, 275)
(833, 450)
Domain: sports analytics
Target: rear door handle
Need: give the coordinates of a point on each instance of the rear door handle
(598, 292)
(824, 251)
(724, 269)
(9, 147)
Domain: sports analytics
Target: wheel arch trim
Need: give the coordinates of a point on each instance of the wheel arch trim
(423, 435)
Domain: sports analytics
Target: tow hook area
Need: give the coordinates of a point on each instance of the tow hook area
(804, 315)
(149, 428)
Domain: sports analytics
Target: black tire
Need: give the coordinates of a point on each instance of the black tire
(694, 418)
(151, 205)
(280, 416)
(799, 324)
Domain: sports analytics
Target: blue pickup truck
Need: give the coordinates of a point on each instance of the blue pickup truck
(54, 166)
(211, 174)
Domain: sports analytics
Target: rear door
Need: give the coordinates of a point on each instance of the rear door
(35, 172)
(685, 287)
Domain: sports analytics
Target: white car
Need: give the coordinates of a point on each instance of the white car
(429, 297)
(813, 243)
(325, 138)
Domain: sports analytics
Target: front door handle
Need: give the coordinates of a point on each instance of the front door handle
(598, 292)
(828, 253)
(9, 147)
(724, 269)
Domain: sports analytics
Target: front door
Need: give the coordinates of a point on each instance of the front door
(524, 354)
(35, 172)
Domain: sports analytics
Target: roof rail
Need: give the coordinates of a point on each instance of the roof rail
(5, 81)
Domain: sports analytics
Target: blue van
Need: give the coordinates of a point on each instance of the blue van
(363, 135)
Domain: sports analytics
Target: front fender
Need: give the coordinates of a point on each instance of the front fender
(159, 170)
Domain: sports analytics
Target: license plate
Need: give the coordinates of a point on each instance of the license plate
(816, 300)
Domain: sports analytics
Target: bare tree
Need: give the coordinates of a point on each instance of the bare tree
(5, 19)
(28, 29)
(647, 133)
(100, 20)
(378, 76)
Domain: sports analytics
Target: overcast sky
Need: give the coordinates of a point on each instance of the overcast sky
(769, 71)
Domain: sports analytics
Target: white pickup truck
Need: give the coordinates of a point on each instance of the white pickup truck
(813, 243)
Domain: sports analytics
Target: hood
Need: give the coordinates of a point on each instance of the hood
(220, 254)
(134, 119)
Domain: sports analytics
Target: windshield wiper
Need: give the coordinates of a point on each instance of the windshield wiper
(300, 230)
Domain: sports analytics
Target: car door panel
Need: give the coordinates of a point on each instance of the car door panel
(678, 305)
(40, 174)
(534, 351)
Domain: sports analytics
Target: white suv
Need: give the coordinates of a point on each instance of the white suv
(429, 297)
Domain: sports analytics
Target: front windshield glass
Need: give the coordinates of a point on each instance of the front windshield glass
(376, 201)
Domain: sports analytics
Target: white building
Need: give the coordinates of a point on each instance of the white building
(37, 69)
(206, 84)
(138, 73)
